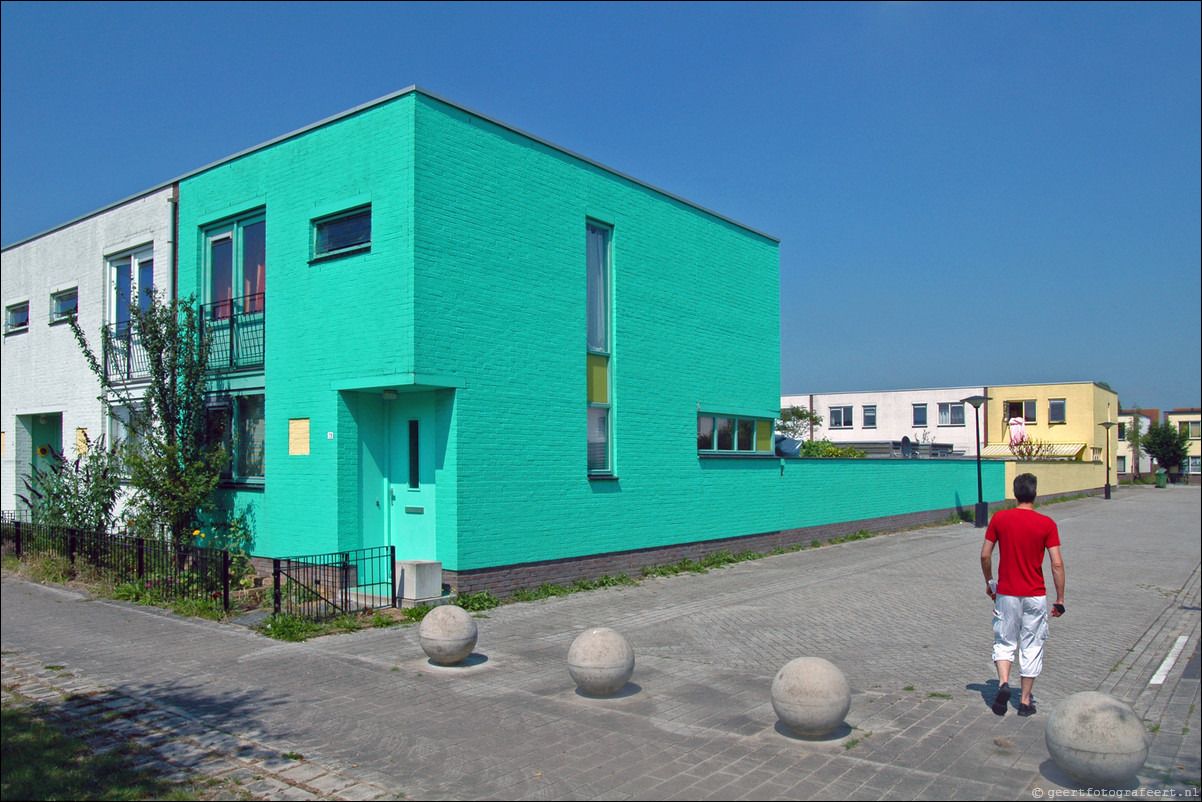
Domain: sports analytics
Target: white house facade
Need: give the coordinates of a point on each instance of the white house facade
(931, 415)
(96, 267)
(1127, 420)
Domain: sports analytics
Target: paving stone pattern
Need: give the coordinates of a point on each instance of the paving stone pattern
(904, 616)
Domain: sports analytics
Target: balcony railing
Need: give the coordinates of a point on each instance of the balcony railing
(234, 330)
(124, 356)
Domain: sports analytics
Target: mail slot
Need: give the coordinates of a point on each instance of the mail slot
(415, 510)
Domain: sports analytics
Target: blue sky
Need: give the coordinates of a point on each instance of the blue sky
(964, 193)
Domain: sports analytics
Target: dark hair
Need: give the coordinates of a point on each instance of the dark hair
(1024, 488)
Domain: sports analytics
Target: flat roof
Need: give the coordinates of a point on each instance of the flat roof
(363, 107)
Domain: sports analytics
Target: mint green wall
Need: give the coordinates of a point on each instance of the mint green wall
(327, 321)
(476, 275)
(500, 299)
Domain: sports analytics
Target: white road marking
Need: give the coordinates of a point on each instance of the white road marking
(1163, 672)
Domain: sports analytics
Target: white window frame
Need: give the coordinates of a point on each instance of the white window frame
(868, 413)
(140, 262)
(914, 415)
(947, 410)
(846, 417)
(11, 313)
(58, 309)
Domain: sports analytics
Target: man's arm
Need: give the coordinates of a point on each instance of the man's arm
(987, 565)
(1057, 576)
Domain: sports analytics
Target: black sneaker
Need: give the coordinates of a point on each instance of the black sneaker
(1026, 710)
(1002, 701)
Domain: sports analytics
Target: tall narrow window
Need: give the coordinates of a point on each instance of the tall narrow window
(598, 358)
(237, 267)
(132, 287)
(414, 462)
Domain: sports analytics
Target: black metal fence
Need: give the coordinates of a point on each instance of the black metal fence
(124, 355)
(159, 570)
(235, 332)
(321, 586)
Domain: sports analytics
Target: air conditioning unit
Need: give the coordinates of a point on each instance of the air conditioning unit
(418, 582)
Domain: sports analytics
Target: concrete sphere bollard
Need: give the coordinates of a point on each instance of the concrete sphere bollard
(1097, 740)
(447, 634)
(600, 661)
(811, 696)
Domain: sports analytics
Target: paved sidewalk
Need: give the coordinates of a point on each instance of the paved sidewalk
(903, 615)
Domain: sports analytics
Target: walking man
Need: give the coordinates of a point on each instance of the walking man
(1020, 613)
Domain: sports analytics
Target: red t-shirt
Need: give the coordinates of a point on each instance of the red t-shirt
(1022, 537)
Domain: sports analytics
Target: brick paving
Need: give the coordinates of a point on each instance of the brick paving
(903, 615)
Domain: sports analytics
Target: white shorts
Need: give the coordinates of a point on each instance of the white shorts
(1020, 622)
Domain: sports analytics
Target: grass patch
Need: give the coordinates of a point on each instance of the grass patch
(936, 695)
(42, 758)
(908, 688)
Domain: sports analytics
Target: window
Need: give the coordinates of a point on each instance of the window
(237, 425)
(841, 418)
(1122, 431)
(1191, 427)
(920, 414)
(951, 414)
(718, 434)
(1019, 409)
(131, 287)
(870, 417)
(236, 261)
(1192, 465)
(598, 357)
(343, 233)
(1056, 410)
(1121, 464)
(16, 317)
(63, 305)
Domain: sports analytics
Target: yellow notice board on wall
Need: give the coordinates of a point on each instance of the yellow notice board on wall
(298, 436)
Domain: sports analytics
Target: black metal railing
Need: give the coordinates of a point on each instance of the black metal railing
(124, 355)
(235, 331)
(158, 570)
(321, 586)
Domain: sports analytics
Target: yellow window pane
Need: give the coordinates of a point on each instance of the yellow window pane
(763, 435)
(598, 379)
(298, 436)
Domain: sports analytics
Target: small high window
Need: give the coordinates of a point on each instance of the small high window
(734, 435)
(343, 233)
(16, 317)
(63, 305)
(870, 417)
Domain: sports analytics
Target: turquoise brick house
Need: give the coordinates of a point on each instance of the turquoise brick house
(434, 331)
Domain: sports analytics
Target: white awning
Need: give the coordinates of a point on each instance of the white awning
(1054, 450)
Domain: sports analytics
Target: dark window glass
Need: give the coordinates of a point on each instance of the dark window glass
(343, 233)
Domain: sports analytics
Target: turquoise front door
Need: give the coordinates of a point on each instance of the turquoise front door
(411, 476)
(396, 473)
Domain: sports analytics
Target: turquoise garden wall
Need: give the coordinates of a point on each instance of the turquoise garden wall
(467, 318)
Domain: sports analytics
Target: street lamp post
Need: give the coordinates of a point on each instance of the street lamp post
(1108, 425)
(981, 516)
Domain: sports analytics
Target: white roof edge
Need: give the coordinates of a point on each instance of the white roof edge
(363, 107)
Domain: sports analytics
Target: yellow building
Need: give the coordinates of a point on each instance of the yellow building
(1060, 421)
(1189, 420)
